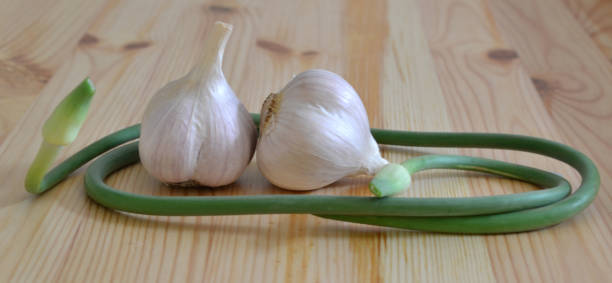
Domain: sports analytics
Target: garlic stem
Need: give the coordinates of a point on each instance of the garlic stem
(214, 48)
(374, 163)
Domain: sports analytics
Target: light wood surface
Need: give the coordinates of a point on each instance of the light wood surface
(594, 17)
(539, 68)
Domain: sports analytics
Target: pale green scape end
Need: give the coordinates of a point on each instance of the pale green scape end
(62, 127)
(390, 180)
(43, 161)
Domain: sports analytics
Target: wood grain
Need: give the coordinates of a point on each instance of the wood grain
(476, 63)
(418, 65)
(577, 94)
(35, 39)
(594, 17)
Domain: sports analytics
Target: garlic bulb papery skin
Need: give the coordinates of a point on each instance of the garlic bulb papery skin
(314, 132)
(195, 131)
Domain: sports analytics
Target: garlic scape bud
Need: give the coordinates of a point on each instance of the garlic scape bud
(195, 131)
(314, 132)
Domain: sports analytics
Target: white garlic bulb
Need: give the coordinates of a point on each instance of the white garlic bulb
(195, 130)
(314, 132)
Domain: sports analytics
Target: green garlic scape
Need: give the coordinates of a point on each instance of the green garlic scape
(60, 129)
(474, 215)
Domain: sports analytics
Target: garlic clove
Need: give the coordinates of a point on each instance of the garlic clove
(314, 132)
(195, 131)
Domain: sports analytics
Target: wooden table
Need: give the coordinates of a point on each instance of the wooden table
(540, 68)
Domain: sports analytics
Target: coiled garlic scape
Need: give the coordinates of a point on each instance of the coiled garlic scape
(314, 132)
(195, 131)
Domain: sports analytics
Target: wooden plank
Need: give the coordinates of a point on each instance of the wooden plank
(576, 90)
(416, 65)
(12, 109)
(23, 220)
(488, 89)
(412, 100)
(594, 17)
(33, 45)
(63, 236)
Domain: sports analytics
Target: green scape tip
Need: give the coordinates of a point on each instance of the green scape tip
(62, 127)
(391, 179)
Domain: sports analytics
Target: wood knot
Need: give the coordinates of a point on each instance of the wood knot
(20, 69)
(502, 55)
(543, 86)
(136, 45)
(310, 53)
(273, 46)
(221, 9)
(88, 39)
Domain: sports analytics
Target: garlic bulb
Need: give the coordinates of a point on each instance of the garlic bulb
(195, 130)
(314, 132)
